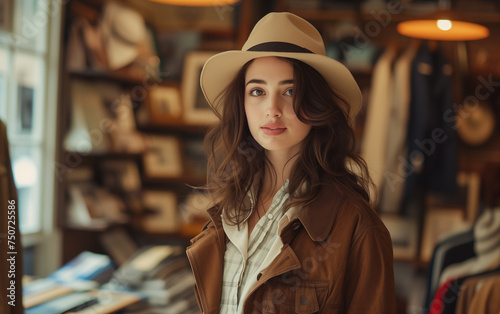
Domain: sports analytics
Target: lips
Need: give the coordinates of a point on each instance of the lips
(273, 129)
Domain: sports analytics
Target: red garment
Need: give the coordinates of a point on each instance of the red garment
(438, 303)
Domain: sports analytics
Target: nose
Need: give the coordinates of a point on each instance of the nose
(274, 108)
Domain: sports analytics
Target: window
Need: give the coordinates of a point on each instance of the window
(29, 44)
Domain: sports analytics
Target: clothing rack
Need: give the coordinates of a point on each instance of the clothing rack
(464, 274)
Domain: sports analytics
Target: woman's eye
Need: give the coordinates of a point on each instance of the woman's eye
(256, 92)
(288, 92)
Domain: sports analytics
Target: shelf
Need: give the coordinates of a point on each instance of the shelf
(187, 230)
(178, 125)
(97, 227)
(184, 180)
(117, 77)
(107, 155)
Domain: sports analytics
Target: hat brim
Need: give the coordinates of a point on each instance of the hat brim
(220, 70)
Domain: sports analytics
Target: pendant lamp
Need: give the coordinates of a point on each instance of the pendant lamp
(198, 3)
(443, 29)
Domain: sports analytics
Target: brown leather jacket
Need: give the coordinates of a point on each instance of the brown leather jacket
(336, 258)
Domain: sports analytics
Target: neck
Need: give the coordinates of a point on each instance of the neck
(282, 164)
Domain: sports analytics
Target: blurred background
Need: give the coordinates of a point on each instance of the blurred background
(105, 122)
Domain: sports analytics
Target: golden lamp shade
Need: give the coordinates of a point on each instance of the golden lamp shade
(447, 30)
(197, 3)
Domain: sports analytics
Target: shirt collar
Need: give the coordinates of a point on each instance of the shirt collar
(250, 195)
(317, 217)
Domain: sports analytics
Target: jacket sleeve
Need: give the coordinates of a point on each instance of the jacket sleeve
(369, 282)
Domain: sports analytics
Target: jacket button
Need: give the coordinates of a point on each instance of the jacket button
(303, 300)
(295, 225)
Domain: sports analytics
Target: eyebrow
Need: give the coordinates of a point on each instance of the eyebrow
(258, 81)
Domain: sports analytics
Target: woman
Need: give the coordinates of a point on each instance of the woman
(291, 229)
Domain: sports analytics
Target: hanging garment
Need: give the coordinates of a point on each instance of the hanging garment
(486, 299)
(392, 186)
(442, 297)
(450, 290)
(10, 281)
(468, 290)
(432, 140)
(486, 246)
(373, 147)
(454, 249)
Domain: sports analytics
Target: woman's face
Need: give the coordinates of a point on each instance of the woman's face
(269, 106)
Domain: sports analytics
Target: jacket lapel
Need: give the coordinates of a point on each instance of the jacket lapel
(206, 255)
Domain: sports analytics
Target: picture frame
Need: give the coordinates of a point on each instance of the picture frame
(120, 175)
(404, 235)
(172, 47)
(160, 211)
(164, 105)
(163, 158)
(196, 108)
(6, 10)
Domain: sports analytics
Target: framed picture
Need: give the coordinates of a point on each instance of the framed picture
(163, 158)
(172, 47)
(120, 175)
(164, 104)
(196, 108)
(470, 185)
(6, 11)
(404, 235)
(160, 212)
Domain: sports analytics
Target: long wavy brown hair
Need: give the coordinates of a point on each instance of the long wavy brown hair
(237, 163)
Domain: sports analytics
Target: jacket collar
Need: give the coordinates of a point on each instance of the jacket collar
(318, 217)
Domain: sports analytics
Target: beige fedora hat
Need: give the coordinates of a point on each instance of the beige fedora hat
(281, 35)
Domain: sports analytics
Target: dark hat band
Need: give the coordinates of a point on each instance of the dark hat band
(278, 46)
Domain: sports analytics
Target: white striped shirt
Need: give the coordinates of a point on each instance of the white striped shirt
(246, 257)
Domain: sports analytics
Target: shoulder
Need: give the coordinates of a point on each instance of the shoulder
(337, 214)
(354, 215)
(360, 212)
(363, 220)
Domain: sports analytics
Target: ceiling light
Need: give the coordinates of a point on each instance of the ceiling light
(198, 3)
(444, 25)
(447, 30)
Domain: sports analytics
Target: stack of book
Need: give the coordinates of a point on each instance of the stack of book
(75, 288)
(155, 279)
(160, 273)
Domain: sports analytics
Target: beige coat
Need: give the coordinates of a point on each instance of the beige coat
(336, 258)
